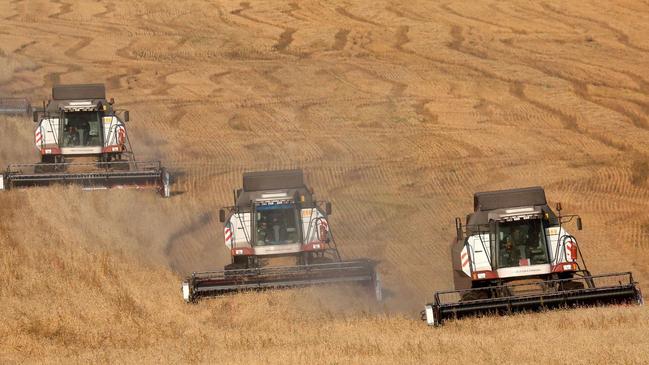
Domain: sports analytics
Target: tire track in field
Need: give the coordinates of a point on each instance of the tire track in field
(401, 39)
(340, 39)
(64, 9)
(244, 7)
(109, 7)
(285, 38)
(118, 81)
(620, 36)
(16, 9)
(405, 13)
(517, 89)
(447, 8)
(569, 121)
(457, 43)
(72, 52)
(642, 84)
(292, 9)
(581, 89)
(344, 12)
(215, 78)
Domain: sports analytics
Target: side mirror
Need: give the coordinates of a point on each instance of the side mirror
(35, 116)
(126, 116)
(221, 215)
(458, 229)
(579, 226)
(558, 207)
(328, 208)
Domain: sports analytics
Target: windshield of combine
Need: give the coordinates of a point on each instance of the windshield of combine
(276, 225)
(521, 243)
(81, 129)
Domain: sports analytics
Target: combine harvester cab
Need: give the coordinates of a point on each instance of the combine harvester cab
(82, 140)
(276, 217)
(514, 254)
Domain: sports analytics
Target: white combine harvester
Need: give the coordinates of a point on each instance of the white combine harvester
(81, 139)
(276, 217)
(515, 254)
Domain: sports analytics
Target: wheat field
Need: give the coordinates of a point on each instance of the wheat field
(397, 111)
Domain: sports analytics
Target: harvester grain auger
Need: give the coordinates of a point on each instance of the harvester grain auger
(276, 217)
(82, 139)
(514, 254)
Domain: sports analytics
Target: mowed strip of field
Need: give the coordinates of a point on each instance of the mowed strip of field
(397, 112)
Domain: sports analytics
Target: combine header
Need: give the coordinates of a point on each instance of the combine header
(15, 107)
(82, 139)
(514, 254)
(276, 217)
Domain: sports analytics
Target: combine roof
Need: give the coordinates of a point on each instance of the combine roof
(262, 184)
(270, 180)
(491, 202)
(512, 198)
(77, 97)
(79, 92)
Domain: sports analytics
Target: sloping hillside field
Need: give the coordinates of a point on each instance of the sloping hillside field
(397, 112)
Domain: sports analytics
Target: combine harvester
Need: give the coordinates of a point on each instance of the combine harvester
(276, 217)
(514, 254)
(82, 140)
